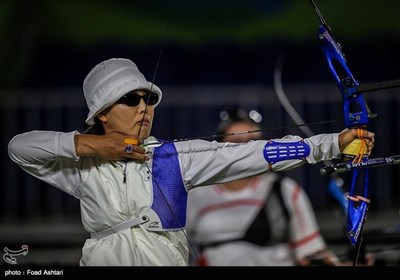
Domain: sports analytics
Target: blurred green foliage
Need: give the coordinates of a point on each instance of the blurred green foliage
(88, 22)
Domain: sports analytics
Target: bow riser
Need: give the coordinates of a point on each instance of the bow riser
(354, 106)
(356, 115)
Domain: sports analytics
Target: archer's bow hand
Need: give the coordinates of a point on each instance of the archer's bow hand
(347, 136)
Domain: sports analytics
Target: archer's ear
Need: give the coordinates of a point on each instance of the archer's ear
(102, 117)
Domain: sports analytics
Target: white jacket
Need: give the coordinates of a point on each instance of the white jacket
(107, 199)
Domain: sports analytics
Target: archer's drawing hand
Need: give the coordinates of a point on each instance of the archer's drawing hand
(111, 146)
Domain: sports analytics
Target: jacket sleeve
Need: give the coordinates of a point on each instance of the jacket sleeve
(49, 156)
(207, 163)
(305, 237)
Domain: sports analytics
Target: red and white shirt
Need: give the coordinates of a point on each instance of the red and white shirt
(216, 215)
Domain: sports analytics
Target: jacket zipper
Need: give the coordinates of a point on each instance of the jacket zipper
(123, 166)
(126, 164)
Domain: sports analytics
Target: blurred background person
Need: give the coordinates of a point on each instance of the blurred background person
(259, 221)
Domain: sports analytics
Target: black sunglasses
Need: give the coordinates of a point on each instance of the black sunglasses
(133, 99)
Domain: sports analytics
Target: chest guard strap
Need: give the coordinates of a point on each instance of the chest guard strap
(169, 192)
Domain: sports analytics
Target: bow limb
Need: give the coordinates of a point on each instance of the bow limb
(280, 93)
(335, 183)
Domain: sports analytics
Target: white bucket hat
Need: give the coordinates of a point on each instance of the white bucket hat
(111, 79)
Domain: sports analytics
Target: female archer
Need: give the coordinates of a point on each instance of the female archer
(132, 187)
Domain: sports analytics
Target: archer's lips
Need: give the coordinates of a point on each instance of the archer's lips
(144, 122)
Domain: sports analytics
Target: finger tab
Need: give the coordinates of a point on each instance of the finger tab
(131, 141)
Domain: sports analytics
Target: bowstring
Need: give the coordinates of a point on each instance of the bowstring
(141, 125)
(175, 216)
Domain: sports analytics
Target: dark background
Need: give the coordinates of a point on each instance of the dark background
(48, 43)
(211, 56)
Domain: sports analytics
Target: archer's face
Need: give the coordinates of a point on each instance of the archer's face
(129, 119)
